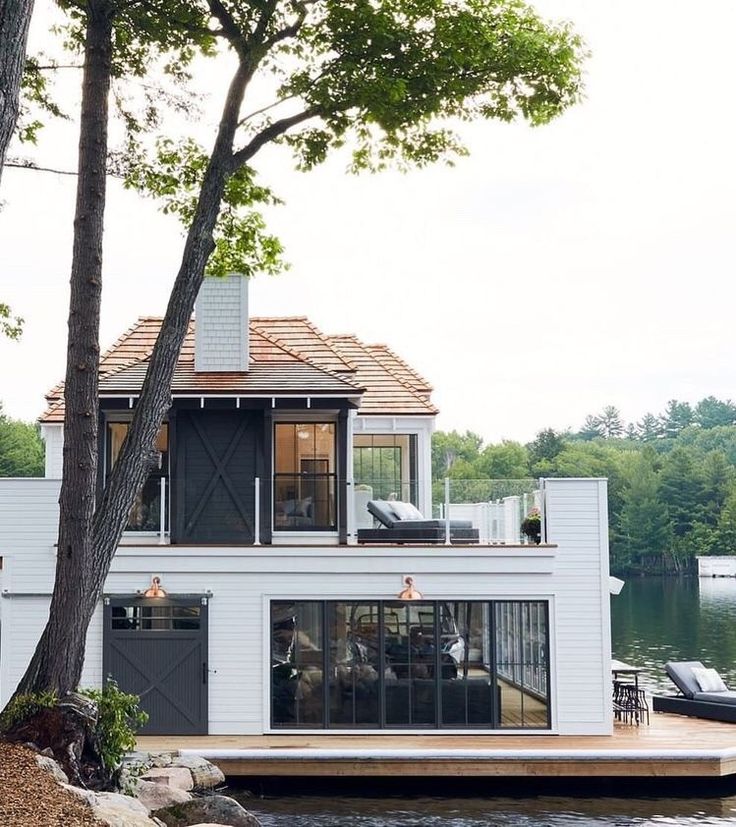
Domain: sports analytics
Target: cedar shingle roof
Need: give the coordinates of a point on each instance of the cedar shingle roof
(301, 335)
(387, 388)
(287, 356)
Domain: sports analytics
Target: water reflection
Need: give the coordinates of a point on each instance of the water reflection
(565, 811)
(656, 619)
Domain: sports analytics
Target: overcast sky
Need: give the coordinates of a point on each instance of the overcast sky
(554, 271)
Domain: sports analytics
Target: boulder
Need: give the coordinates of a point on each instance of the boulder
(52, 767)
(161, 759)
(206, 776)
(178, 777)
(154, 795)
(210, 809)
(86, 795)
(118, 810)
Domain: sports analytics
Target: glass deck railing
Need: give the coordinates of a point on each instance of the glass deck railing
(503, 511)
(500, 511)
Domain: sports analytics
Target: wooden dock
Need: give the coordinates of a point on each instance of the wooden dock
(672, 746)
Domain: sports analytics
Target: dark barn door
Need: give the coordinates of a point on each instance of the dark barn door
(156, 648)
(216, 465)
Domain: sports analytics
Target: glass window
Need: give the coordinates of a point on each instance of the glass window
(353, 664)
(397, 664)
(521, 664)
(297, 664)
(150, 618)
(146, 512)
(304, 476)
(386, 466)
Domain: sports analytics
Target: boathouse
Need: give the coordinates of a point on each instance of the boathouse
(243, 600)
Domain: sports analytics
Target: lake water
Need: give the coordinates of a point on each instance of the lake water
(653, 620)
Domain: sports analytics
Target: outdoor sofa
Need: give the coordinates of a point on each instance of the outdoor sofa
(403, 523)
(718, 704)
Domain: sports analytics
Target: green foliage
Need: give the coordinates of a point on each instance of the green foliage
(643, 529)
(22, 707)
(449, 448)
(10, 326)
(174, 175)
(21, 449)
(384, 74)
(712, 413)
(119, 720)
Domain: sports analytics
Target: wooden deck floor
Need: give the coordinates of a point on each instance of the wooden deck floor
(672, 746)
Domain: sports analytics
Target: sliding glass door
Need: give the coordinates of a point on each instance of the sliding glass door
(403, 665)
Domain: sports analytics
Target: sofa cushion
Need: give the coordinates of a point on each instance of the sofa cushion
(727, 697)
(383, 511)
(681, 674)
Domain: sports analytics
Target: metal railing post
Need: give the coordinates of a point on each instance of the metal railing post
(162, 514)
(257, 519)
(542, 512)
(447, 511)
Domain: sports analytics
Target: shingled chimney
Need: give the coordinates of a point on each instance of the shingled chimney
(221, 325)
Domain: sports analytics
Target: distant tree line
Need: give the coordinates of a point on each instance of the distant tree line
(672, 477)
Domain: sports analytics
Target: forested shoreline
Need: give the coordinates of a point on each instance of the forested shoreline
(672, 476)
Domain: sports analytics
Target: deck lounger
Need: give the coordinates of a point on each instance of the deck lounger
(717, 706)
(403, 523)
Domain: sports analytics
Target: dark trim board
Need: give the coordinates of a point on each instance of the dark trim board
(696, 709)
(463, 536)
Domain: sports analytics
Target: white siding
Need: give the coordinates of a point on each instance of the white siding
(53, 437)
(577, 521)
(573, 577)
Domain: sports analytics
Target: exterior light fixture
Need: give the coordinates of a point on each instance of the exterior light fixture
(410, 593)
(154, 590)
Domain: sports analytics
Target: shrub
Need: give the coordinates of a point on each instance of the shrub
(119, 720)
(24, 706)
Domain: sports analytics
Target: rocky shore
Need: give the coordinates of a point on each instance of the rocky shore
(156, 790)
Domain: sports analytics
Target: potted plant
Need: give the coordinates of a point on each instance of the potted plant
(531, 526)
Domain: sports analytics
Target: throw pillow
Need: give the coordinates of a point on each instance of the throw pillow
(304, 507)
(406, 511)
(709, 680)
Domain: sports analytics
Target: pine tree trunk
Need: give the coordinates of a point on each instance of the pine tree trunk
(15, 17)
(88, 537)
(57, 661)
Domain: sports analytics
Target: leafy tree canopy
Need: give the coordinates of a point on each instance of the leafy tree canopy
(21, 449)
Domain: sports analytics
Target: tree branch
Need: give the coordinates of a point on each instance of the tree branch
(51, 66)
(267, 13)
(35, 168)
(270, 133)
(293, 28)
(29, 165)
(230, 28)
